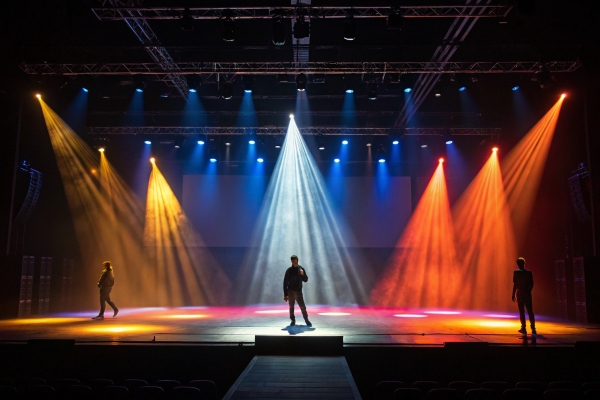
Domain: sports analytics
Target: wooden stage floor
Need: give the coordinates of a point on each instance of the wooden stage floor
(358, 325)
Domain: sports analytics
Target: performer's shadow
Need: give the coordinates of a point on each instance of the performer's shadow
(297, 329)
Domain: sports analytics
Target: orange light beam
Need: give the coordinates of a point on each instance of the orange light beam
(524, 165)
(485, 244)
(421, 270)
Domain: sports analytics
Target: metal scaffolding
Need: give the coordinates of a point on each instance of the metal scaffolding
(169, 12)
(271, 68)
(281, 130)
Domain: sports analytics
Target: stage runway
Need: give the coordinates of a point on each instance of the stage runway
(234, 325)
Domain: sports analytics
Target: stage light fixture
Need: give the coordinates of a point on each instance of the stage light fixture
(563, 95)
(178, 141)
(251, 142)
(301, 82)
(372, 95)
(193, 83)
(39, 96)
(381, 160)
(494, 149)
(349, 83)
(139, 83)
(260, 160)
(321, 148)
(395, 20)
(247, 83)
(226, 90)
(437, 93)
(462, 88)
(85, 89)
(369, 144)
(344, 142)
(349, 27)
(449, 141)
(228, 25)
(337, 160)
(407, 90)
(213, 160)
(441, 160)
(301, 28)
(186, 21)
(152, 160)
(291, 116)
(200, 142)
(447, 136)
(147, 142)
(277, 146)
(101, 149)
(278, 30)
(423, 146)
(515, 88)
(396, 142)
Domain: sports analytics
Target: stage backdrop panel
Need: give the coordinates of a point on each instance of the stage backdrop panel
(225, 208)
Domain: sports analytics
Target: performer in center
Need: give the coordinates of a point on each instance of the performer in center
(292, 289)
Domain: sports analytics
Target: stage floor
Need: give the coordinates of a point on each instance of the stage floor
(232, 325)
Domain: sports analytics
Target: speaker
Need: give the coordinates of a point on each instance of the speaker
(586, 277)
(579, 188)
(299, 345)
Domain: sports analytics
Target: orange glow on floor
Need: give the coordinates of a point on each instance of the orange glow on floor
(184, 271)
(523, 167)
(102, 327)
(420, 271)
(485, 244)
(186, 316)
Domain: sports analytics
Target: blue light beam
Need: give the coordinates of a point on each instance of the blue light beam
(297, 218)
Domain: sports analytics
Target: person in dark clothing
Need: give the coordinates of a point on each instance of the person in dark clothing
(106, 282)
(292, 289)
(522, 286)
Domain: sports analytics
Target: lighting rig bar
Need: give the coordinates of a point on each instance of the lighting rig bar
(317, 130)
(111, 13)
(271, 68)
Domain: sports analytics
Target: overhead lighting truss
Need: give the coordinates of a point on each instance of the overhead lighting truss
(317, 130)
(271, 68)
(168, 12)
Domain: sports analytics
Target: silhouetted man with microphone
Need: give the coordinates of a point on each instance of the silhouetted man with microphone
(292, 289)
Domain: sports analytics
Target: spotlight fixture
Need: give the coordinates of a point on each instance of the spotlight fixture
(349, 83)
(438, 93)
(278, 30)
(423, 146)
(462, 88)
(200, 142)
(139, 83)
(441, 160)
(515, 88)
(147, 141)
(186, 21)
(101, 149)
(381, 160)
(260, 160)
(226, 90)
(251, 142)
(152, 160)
(291, 116)
(248, 83)
(447, 136)
(301, 28)
(39, 96)
(395, 20)
(321, 148)
(494, 149)
(372, 95)
(563, 95)
(178, 142)
(349, 27)
(228, 25)
(337, 160)
(193, 82)
(407, 90)
(213, 160)
(85, 89)
(301, 82)
(344, 142)
(395, 142)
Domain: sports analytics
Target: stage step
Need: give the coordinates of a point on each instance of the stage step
(295, 377)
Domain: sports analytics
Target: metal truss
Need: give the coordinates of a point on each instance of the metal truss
(143, 31)
(270, 68)
(168, 12)
(315, 130)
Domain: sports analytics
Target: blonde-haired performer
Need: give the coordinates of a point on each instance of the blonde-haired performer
(106, 282)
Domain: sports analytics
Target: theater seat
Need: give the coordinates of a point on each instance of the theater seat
(206, 387)
(149, 393)
(481, 394)
(115, 393)
(443, 394)
(426, 386)
(186, 393)
(562, 394)
(385, 389)
(521, 394)
(407, 394)
(462, 386)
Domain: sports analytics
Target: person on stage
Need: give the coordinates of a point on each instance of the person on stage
(292, 289)
(106, 282)
(522, 286)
